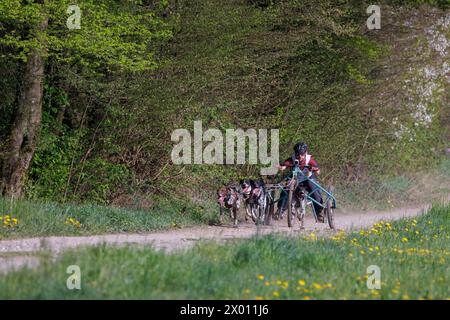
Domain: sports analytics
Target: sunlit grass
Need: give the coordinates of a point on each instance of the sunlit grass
(412, 254)
(31, 219)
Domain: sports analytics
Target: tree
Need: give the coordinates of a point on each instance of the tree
(112, 36)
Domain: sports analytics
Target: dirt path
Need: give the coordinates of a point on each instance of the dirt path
(18, 253)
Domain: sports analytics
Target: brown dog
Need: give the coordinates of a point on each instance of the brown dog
(228, 197)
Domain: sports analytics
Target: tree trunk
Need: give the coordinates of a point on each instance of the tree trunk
(25, 129)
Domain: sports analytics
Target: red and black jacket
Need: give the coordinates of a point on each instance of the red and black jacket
(308, 161)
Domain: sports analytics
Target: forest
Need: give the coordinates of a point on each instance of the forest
(87, 113)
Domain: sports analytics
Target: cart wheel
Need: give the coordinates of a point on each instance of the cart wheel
(289, 203)
(329, 210)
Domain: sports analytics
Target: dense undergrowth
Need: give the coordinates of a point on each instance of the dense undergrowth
(308, 68)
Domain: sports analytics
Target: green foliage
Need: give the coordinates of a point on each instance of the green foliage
(61, 171)
(114, 36)
(443, 4)
(62, 168)
(304, 67)
(307, 68)
(118, 33)
(52, 166)
(263, 3)
(109, 179)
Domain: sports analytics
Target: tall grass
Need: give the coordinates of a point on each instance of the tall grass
(49, 219)
(413, 256)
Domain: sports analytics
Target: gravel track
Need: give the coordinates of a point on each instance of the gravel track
(18, 253)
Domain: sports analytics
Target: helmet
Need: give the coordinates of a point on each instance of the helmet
(300, 149)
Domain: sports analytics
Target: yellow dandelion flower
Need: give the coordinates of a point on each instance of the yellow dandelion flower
(317, 285)
(313, 236)
(260, 277)
(301, 282)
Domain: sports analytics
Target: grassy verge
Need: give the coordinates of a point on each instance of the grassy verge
(32, 219)
(413, 257)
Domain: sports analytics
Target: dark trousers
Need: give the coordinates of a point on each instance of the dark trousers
(309, 186)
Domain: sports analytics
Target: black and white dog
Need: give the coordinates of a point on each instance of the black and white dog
(255, 198)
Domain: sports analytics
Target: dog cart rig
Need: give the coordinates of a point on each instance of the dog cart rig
(298, 198)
